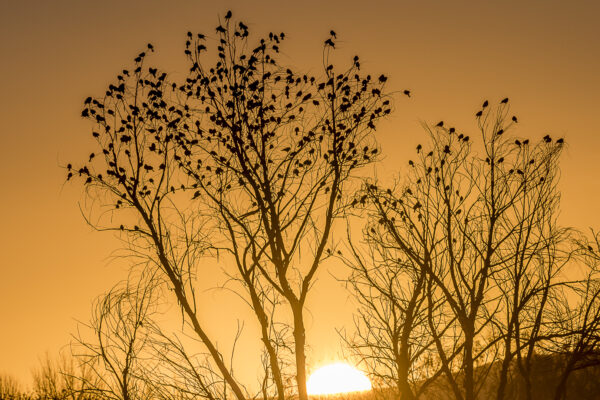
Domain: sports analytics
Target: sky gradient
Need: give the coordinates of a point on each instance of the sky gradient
(544, 55)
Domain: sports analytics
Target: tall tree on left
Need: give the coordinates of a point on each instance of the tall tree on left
(245, 156)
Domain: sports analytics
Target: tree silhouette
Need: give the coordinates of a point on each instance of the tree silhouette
(10, 388)
(479, 239)
(116, 340)
(577, 340)
(251, 151)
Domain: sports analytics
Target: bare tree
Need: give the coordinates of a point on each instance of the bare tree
(391, 338)
(482, 229)
(577, 341)
(266, 153)
(117, 339)
(63, 378)
(10, 388)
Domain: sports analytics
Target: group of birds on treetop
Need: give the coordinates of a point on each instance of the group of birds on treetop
(160, 122)
(479, 114)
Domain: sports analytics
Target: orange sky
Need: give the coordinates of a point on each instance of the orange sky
(543, 54)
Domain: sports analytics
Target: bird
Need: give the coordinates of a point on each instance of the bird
(485, 104)
(504, 100)
(407, 93)
(440, 124)
(228, 15)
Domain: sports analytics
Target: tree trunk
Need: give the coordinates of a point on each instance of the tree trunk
(404, 388)
(469, 383)
(300, 344)
(504, 370)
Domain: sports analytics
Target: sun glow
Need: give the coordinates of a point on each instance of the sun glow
(337, 378)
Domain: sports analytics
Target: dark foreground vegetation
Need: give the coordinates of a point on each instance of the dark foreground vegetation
(583, 384)
(467, 286)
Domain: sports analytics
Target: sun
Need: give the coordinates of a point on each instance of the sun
(337, 378)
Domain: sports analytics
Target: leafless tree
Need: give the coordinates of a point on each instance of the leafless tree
(577, 342)
(63, 378)
(482, 230)
(391, 338)
(10, 388)
(117, 339)
(265, 153)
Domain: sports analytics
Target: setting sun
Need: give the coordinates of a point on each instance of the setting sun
(337, 378)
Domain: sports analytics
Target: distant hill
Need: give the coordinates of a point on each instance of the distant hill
(582, 384)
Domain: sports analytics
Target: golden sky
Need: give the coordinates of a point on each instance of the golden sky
(543, 54)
